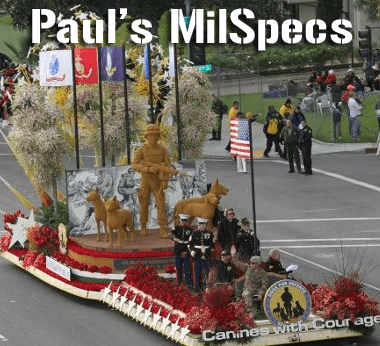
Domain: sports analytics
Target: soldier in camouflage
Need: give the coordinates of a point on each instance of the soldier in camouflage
(256, 281)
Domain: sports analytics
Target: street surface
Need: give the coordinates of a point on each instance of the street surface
(325, 223)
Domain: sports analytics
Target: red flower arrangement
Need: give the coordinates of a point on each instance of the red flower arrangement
(170, 269)
(5, 241)
(42, 239)
(344, 299)
(219, 312)
(146, 279)
(12, 218)
(215, 311)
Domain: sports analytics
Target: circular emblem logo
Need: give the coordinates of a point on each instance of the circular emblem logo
(287, 302)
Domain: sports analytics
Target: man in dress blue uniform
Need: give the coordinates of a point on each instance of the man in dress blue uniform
(201, 244)
(180, 236)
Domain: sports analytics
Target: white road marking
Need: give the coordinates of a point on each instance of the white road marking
(338, 246)
(321, 210)
(341, 177)
(316, 240)
(3, 338)
(322, 219)
(2, 212)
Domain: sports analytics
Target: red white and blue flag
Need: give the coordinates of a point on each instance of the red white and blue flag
(240, 138)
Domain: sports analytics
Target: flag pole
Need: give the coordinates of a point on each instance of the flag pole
(76, 131)
(150, 85)
(126, 109)
(177, 104)
(101, 109)
(250, 121)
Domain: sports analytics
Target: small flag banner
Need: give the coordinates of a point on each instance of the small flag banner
(86, 65)
(56, 68)
(112, 64)
(146, 62)
(240, 138)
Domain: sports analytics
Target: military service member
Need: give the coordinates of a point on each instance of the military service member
(200, 245)
(181, 235)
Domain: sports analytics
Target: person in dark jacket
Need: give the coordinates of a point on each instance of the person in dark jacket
(248, 244)
(274, 268)
(224, 271)
(297, 117)
(180, 236)
(289, 136)
(228, 228)
(304, 143)
(272, 130)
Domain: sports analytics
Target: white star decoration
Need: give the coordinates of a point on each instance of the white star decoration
(140, 59)
(131, 304)
(165, 322)
(115, 296)
(156, 318)
(184, 332)
(139, 309)
(106, 291)
(175, 326)
(123, 299)
(19, 229)
(147, 314)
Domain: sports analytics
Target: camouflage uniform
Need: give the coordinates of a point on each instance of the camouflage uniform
(256, 283)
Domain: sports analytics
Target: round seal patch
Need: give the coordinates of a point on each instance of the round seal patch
(287, 302)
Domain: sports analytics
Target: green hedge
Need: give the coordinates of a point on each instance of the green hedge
(280, 57)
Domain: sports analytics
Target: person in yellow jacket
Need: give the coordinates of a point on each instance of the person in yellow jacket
(233, 112)
(286, 108)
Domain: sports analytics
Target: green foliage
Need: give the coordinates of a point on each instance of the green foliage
(370, 7)
(280, 57)
(46, 215)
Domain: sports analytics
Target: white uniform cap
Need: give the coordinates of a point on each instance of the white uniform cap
(183, 216)
(201, 220)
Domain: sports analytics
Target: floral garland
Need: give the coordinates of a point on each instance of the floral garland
(344, 299)
(215, 310)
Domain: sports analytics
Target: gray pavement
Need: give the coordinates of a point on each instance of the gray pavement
(217, 148)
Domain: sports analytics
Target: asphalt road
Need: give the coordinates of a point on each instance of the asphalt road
(325, 223)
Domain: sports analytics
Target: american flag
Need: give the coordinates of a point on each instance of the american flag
(240, 138)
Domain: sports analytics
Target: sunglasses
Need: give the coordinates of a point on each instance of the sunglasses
(231, 214)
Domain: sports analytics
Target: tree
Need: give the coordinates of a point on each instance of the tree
(370, 7)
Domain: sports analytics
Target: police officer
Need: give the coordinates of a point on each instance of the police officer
(200, 245)
(180, 236)
(304, 142)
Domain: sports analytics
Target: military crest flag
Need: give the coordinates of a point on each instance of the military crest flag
(112, 64)
(86, 65)
(56, 68)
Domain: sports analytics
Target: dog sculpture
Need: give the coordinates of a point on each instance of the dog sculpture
(119, 219)
(100, 211)
(217, 190)
(203, 210)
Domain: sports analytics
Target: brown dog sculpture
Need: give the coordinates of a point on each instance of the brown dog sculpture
(217, 190)
(100, 211)
(119, 219)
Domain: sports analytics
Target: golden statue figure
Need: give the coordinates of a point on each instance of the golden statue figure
(153, 162)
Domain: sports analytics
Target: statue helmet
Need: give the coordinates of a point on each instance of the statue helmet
(152, 129)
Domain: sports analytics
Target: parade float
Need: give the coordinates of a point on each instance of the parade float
(106, 238)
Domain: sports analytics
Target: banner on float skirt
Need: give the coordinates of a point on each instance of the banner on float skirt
(112, 64)
(56, 68)
(86, 65)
